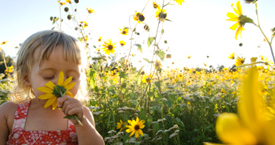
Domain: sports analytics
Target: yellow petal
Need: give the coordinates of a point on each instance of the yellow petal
(140, 132)
(136, 134)
(232, 16)
(208, 143)
(67, 81)
(46, 96)
(239, 8)
(50, 84)
(239, 30)
(45, 90)
(50, 102)
(230, 130)
(251, 104)
(69, 94)
(69, 86)
(236, 11)
(55, 103)
(61, 78)
(233, 27)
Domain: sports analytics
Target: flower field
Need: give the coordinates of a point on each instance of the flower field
(157, 105)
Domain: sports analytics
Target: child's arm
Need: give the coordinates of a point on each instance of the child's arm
(4, 130)
(86, 134)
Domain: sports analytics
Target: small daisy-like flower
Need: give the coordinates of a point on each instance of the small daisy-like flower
(179, 1)
(109, 47)
(124, 30)
(52, 91)
(180, 76)
(231, 56)
(239, 61)
(85, 24)
(135, 127)
(61, 3)
(189, 56)
(161, 15)
(155, 5)
(90, 10)
(97, 49)
(122, 43)
(139, 17)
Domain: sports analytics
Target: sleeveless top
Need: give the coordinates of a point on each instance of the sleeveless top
(34, 137)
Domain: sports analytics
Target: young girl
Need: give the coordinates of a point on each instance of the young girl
(24, 120)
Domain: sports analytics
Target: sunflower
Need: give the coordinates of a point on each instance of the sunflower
(146, 79)
(231, 56)
(135, 127)
(124, 30)
(233, 17)
(161, 15)
(90, 10)
(3, 43)
(120, 125)
(122, 43)
(99, 39)
(109, 47)
(179, 1)
(139, 17)
(157, 64)
(52, 91)
(180, 76)
(239, 61)
(155, 5)
(85, 24)
(97, 49)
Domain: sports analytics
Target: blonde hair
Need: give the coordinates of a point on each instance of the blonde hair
(46, 40)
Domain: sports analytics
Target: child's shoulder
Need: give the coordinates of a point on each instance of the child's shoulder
(8, 109)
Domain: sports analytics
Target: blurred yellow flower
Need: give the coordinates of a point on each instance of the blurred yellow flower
(232, 56)
(233, 17)
(157, 64)
(179, 1)
(124, 30)
(135, 127)
(61, 3)
(90, 10)
(155, 5)
(139, 17)
(239, 61)
(253, 125)
(188, 56)
(99, 39)
(120, 125)
(253, 59)
(146, 79)
(122, 43)
(109, 47)
(180, 75)
(161, 15)
(97, 49)
(4, 42)
(68, 1)
(85, 24)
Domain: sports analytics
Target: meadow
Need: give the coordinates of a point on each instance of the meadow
(160, 105)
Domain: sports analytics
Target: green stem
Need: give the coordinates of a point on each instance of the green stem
(269, 43)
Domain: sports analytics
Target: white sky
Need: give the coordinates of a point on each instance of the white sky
(198, 27)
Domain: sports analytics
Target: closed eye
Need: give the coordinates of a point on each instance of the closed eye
(48, 78)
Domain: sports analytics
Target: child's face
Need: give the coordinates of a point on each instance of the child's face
(49, 70)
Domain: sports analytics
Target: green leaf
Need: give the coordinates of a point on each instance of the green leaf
(149, 120)
(142, 115)
(139, 47)
(158, 84)
(161, 54)
(156, 127)
(150, 40)
(162, 31)
(122, 74)
(146, 59)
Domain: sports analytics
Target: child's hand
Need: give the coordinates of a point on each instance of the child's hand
(71, 106)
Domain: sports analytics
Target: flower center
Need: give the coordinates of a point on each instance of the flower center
(162, 15)
(59, 91)
(110, 47)
(141, 17)
(137, 127)
(155, 6)
(123, 32)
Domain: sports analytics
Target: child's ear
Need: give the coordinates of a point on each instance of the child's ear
(27, 82)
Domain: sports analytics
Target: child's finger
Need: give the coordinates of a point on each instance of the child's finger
(76, 111)
(67, 108)
(61, 100)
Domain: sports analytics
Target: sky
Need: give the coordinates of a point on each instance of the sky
(197, 28)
